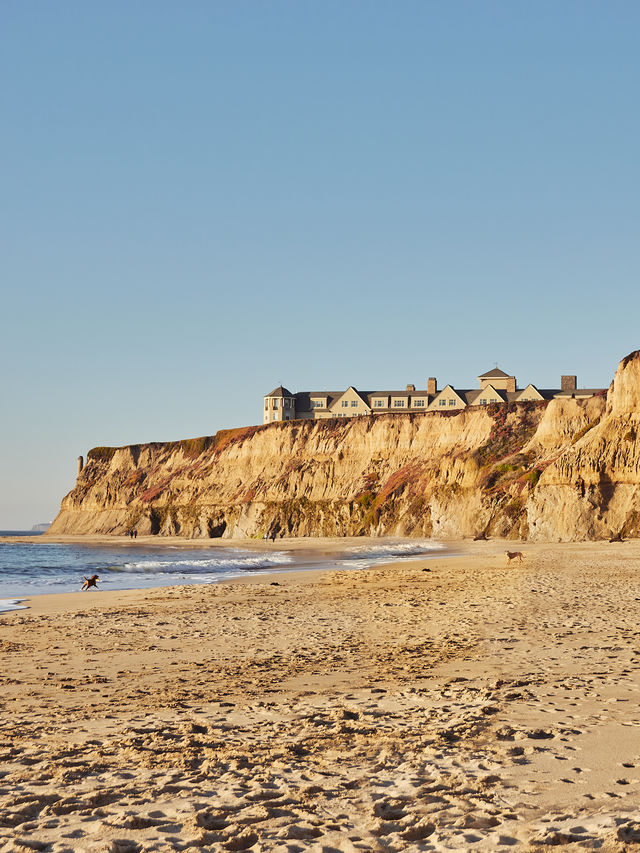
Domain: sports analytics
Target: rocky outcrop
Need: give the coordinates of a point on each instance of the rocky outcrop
(567, 469)
(592, 490)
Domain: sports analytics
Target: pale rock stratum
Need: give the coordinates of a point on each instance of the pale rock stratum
(568, 469)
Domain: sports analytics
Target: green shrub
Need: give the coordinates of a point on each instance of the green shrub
(533, 477)
(101, 454)
(193, 447)
(365, 500)
(585, 430)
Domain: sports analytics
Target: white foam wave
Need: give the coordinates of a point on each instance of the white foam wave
(11, 604)
(236, 562)
(393, 549)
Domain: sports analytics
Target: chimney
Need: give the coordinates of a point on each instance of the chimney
(432, 386)
(410, 388)
(568, 383)
(511, 383)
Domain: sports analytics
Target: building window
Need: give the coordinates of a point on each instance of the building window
(354, 403)
(452, 402)
(398, 404)
(483, 402)
(275, 404)
(345, 403)
(419, 404)
(379, 404)
(442, 402)
(317, 404)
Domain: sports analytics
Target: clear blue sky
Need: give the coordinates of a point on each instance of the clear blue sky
(203, 200)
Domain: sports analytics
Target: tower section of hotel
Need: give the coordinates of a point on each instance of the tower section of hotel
(279, 405)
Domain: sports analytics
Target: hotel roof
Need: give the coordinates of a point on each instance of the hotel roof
(279, 392)
(496, 373)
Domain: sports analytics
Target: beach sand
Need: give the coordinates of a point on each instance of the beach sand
(442, 704)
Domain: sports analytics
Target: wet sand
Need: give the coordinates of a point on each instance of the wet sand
(443, 704)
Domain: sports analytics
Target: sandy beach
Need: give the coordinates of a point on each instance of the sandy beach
(443, 704)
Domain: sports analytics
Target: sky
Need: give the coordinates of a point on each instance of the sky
(202, 201)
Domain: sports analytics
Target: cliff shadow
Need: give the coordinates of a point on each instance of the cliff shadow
(607, 490)
(215, 531)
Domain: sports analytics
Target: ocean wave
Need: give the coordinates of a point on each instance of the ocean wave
(397, 549)
(205, 564)
(11, 604)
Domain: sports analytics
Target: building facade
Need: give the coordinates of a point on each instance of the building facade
(496, 386)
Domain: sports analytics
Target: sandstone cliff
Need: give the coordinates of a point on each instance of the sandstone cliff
(567, 469)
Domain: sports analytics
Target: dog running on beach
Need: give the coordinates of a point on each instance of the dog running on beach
(514, 555)
(90, 582)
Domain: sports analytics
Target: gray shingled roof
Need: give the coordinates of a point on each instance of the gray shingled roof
(279, 392)
(363, 395)
(303, 398)
(578, 392)
(496, 373)
(397, 393)
(472, 396)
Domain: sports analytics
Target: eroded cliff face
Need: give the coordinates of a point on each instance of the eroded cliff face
(592, 490)
(567, 469)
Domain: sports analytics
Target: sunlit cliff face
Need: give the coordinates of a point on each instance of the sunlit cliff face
(567, 470)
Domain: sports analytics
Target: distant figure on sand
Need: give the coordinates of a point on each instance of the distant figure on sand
(90, 582)
(514, 555)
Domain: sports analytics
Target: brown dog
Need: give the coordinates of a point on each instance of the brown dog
(514, 555)
(90, 582)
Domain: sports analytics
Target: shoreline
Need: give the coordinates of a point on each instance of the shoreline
(451, 550)
(244, 559)
(103, 599)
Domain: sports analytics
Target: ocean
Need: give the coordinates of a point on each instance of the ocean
(39, 566)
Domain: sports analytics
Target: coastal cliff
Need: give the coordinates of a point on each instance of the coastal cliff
(568, 469)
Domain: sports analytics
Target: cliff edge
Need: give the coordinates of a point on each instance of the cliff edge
(568, 469)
